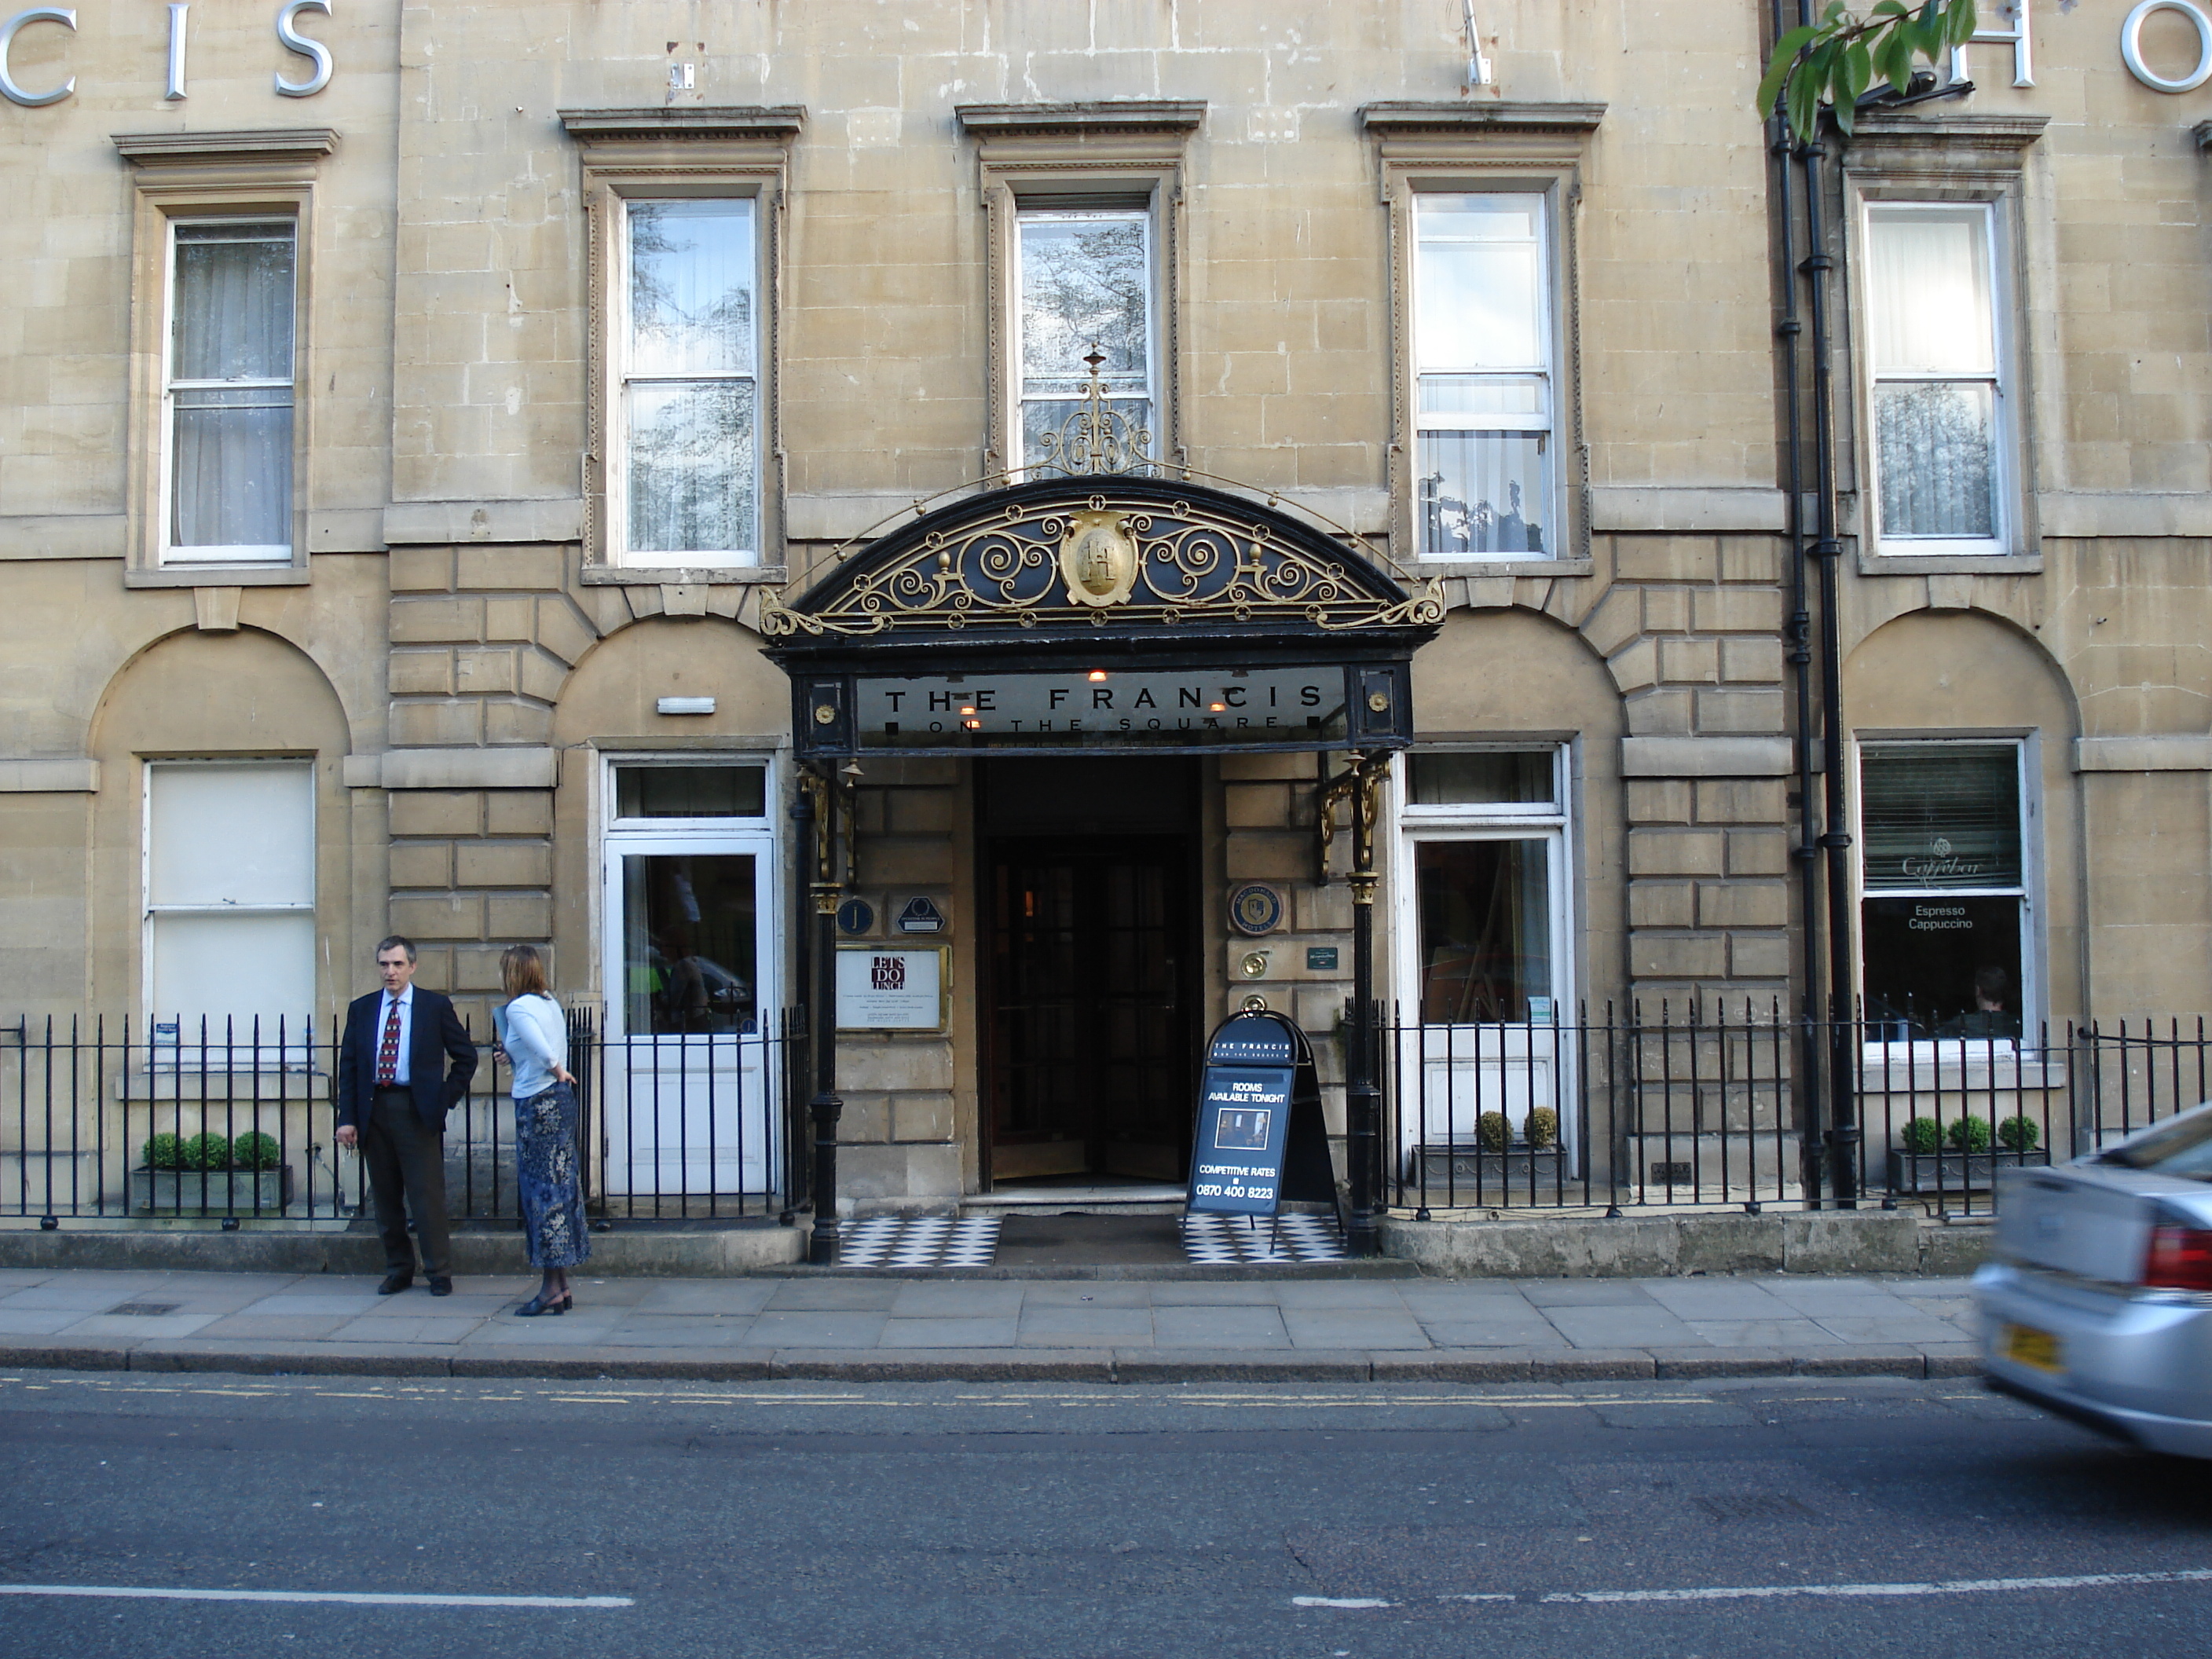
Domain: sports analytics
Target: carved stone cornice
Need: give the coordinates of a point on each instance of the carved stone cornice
(777, 124)
(185, 149)
(1427, 120)
(1919, 140)
(1115, 118)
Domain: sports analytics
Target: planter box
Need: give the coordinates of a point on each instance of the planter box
(211, 1191)
(1469, 1169)
(1950, 1171)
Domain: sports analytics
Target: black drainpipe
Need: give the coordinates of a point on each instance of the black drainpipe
(1843, 1134)
(1797, 637)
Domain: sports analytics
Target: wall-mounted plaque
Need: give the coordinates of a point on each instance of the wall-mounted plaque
(920, 915)
(1255, 908)
(890, 988)
(856, 915)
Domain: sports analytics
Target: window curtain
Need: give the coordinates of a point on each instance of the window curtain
(231, 376)
(1934, 350)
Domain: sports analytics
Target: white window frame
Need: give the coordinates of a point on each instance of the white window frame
(1483, 1057)
(1031, 210)
(168, 553)
(619, 380)
(298, 1051)
(2031, 978)
(1552, 823)
(1553, 522)
(2001, 380)
(615, 825)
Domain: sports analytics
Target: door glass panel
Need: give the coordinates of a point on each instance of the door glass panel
(1486, 935)
(689, 942)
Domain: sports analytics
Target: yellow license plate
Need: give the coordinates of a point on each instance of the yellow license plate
(2025, 1346)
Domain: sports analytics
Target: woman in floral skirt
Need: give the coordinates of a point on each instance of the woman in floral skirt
(535, 1038)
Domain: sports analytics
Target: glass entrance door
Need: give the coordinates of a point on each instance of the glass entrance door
(687, 1088)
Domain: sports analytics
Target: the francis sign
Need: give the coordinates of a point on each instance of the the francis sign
(1259, 701)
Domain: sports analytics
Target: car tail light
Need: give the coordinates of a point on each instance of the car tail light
(2179, 1259)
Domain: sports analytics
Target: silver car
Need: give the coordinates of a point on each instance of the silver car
(2098, 1305)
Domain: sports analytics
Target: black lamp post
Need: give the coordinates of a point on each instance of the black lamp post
(826, 1107)
(1363, 1093)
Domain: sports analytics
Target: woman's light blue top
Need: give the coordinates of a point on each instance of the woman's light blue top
(536, 1038)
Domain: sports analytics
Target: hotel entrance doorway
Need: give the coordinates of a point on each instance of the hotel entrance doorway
(1090, 875)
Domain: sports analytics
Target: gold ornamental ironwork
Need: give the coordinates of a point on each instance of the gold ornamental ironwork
(1096, 439)
(1145, 560)
(1098, 559)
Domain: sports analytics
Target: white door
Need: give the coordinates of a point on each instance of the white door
(687, 1089)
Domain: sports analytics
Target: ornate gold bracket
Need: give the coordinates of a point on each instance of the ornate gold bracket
(1357, 792)
(832, 801)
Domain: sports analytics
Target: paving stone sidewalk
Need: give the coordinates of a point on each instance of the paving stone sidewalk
(867, 1327)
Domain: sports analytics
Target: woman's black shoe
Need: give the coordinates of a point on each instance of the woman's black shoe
(541, 1304)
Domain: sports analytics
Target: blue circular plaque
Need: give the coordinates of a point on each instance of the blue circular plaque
(1256, 908)
(856, 915)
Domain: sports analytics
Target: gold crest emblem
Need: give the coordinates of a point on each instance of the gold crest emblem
(1098, 559)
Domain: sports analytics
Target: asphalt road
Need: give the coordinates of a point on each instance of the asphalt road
(1077, 1522)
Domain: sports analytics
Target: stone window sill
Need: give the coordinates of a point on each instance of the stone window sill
(216, 575)
(1452, 569)
(719, 576)
(1950, 564)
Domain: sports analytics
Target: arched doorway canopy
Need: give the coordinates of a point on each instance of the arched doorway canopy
(1101, 612)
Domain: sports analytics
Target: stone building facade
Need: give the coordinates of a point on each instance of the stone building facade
(431, 642)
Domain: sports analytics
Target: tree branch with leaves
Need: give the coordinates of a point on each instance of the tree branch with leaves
(1832, 62)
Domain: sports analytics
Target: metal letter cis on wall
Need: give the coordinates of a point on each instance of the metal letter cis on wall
(9, 89)
(315, 51)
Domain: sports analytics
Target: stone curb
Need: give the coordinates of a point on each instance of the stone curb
(1114, 1365)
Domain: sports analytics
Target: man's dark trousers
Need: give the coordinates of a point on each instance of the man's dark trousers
(404, 1155)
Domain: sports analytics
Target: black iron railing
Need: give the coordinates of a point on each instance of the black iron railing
(1673, 1107)
(1613, 1109)
(235, 1120)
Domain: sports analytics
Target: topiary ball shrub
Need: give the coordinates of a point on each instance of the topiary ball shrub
(207, 1153)
(164, 1152)
(2018, 1134)
(254, 1152)
(1970, 1134)
(1542, 1127)
(1495, 1134)
(1920, 1134)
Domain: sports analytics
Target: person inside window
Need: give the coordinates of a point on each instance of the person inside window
(1990, 1018)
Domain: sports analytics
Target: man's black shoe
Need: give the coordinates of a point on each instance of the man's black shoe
(395, 1283)
(441, 1287)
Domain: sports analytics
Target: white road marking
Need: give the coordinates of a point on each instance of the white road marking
(1338, 1602)
(1477, 1598)
(1941, 1587)
(359, 1598)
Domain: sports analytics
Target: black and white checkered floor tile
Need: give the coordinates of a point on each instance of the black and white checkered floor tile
(926, 1241)
(1222, 1240)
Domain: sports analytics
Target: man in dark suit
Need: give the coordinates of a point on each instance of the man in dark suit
(395, 1087)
